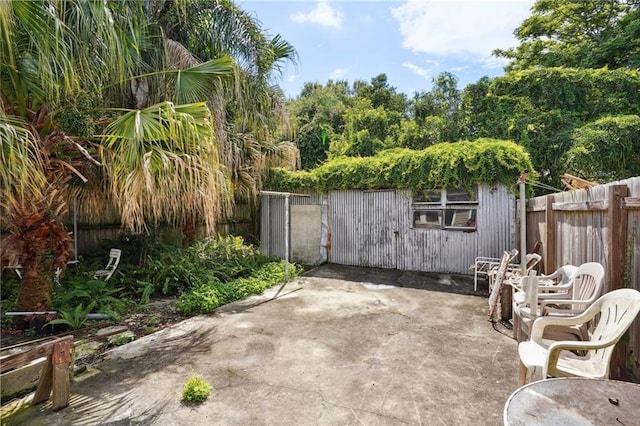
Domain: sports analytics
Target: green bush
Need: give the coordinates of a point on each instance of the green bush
(122, 338)
(196, 390)
(540, 108)
(200, 300)
(74, 319)
(78, 289)
(459, 164)
(205, 263)
(206, 298)
(607, 149)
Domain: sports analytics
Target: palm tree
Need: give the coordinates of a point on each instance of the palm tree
(58, 62)
(251, 119)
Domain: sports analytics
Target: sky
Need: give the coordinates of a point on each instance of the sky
(411, 41)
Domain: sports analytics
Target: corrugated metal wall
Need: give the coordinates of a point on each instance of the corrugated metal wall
(363, 228)
(272, 221)
(346, 227)
(448, 251)
(374, 229)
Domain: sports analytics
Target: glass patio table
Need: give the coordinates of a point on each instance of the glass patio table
(574, 401)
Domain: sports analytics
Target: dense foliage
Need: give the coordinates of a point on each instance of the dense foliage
(318, 113)
(459, 164)
(206, 297)
(205, 275)
(576, 63)
(578, 33)
(338, 119)
(141, 112)
(607, 149)
(541, 108)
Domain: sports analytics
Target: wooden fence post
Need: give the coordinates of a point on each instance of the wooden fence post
(616, 256)
(617, 238)
(550, 237)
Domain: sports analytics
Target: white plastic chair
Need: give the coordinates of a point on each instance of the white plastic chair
(555, 285)
(586, 287)
(514, 271)
(107, 272)
(612, 314)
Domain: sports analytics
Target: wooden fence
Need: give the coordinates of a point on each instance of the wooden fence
(241, 223)
(599, 224)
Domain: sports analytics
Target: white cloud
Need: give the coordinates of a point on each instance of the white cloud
(459, 28)
(292, 77)
(491, 62)
(417, 69)
(338, 73)
(323, 14)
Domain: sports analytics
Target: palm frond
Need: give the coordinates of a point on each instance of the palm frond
(196, 83)
(19, 158)
(164, 165)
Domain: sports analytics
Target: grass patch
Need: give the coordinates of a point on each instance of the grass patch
(196, 390)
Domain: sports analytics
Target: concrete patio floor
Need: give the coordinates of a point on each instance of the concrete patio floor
(338, 346)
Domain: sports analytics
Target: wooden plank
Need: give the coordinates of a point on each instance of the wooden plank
(549, 243)
(617, 244)
(45, 382)
(631, 203)
(617, 237)
(11, 362)
(61, 358)
(29, 342)
(498, 282)
(583, 206)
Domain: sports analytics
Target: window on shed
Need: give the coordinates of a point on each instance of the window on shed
(451, 208)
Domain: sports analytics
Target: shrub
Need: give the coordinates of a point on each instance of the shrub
(196, 390)
(122, 338)
(78, 289)
(74, 319)
(607, 149)
(206, 262)
(200, 300)
(459, 164)
(206, 298)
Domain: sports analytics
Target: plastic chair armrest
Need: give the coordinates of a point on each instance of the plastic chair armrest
(537, 329)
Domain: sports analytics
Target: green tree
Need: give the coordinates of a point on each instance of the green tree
(251, 118)
(318, 116)
(474, 102)
(606, 149)
(58, 62)
(439, 110)
(578, 33)
(541, 108)
(381, 94)
(367, 130)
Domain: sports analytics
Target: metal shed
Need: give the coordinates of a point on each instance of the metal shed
(393, 228)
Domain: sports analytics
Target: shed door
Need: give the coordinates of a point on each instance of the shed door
(363, 228)
(381, 222)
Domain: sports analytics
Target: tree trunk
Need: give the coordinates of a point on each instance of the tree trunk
(189, 230)
(45, 246)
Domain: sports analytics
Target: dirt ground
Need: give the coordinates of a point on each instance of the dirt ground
(340, 345)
